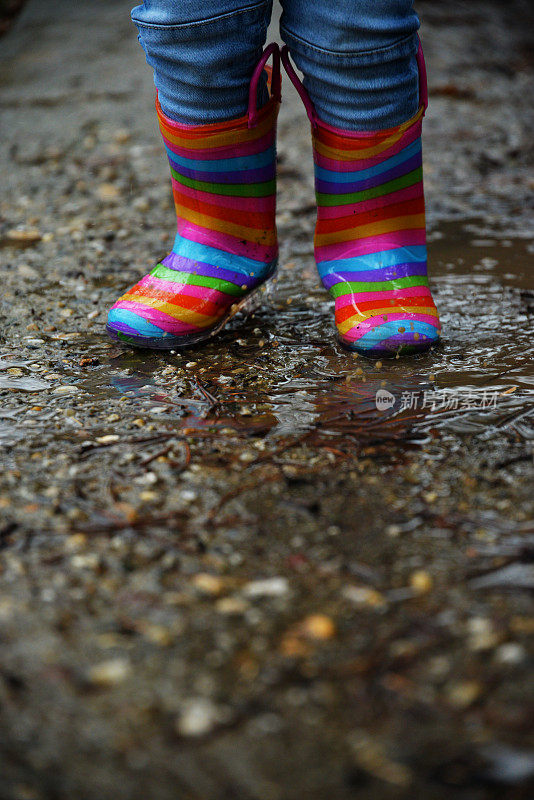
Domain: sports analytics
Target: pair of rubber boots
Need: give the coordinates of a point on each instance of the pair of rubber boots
(370, 237)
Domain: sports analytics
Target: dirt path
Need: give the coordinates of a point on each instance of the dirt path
(227, 574)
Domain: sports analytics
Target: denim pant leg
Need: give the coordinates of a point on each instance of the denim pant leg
(358, 58)
(203, 54)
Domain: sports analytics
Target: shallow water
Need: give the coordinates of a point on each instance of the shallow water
(282, 367)
(281, 371)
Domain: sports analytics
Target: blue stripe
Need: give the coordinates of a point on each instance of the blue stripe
(226, 164)
(385, 258)
(340, 188)
(135, 321)
(361, 174)
(211, 255)
(389, 329)
(379, 274)
(249, 176)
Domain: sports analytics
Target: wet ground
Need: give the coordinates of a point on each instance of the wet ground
(263, 569)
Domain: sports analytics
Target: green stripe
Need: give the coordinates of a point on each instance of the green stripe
(345, 287)
(232, 189)
(193, 279)
(369, 194)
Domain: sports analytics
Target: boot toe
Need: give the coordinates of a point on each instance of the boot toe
(393, 338)
(127, 326)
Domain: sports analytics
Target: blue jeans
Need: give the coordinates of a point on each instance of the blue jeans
(357, 56)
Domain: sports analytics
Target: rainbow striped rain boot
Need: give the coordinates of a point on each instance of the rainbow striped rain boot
(224, 187)
(370, 237)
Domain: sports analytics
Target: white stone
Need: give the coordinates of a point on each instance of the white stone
(268, 587)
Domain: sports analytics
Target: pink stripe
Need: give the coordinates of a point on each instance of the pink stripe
(335, 212)
(226, 242)
(187, 289)
(375, 322)
(362, 163)
(228, 151)
(387, 294)
(163, 321)
(257, 204)
(371, 244)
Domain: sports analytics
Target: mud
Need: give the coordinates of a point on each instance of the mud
(262, 569)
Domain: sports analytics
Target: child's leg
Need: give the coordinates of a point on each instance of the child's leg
(222, 156)
(203, 54)
(357, 57)
(360, 65)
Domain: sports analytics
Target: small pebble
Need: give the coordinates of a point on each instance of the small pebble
(148, 496)
(269, 587)
(107, 191)
(109, 673)
(198, 718)
(482, 635)
(141, 204)
(109, 438)
(231, 605)
(364, 596)
(67, 389)
(463, 693)
(85, 561)
(318, 626)
(208, 584)
(510, 653)
(23, 238)
(421, 581)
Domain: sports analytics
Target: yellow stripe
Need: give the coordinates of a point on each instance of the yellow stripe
(176, 312)
(205, 140)
(349, 323)
(371, 229)
(257, 236)
(337, 154)
(344, 154)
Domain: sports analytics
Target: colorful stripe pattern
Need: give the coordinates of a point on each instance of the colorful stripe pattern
(224, 183)
(370, 238)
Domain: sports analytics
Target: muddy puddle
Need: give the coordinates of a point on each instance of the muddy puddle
(280, 374)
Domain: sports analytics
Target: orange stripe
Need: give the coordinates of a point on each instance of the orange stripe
(173, 310)
(264, 236)
(416, 221)
(204, 140)
(178, 299)
(397, 305)
(416, 206)
(214, 127)
(354, 141)
(255, 219)
(351, 321)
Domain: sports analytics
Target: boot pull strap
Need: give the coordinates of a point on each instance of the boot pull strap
(423, 84)
(299, 86)
(276, 81)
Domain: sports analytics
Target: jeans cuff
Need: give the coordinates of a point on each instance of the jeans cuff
(405, 47)
(217, 19)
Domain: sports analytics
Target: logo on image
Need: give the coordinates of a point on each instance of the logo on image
(384, 400)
